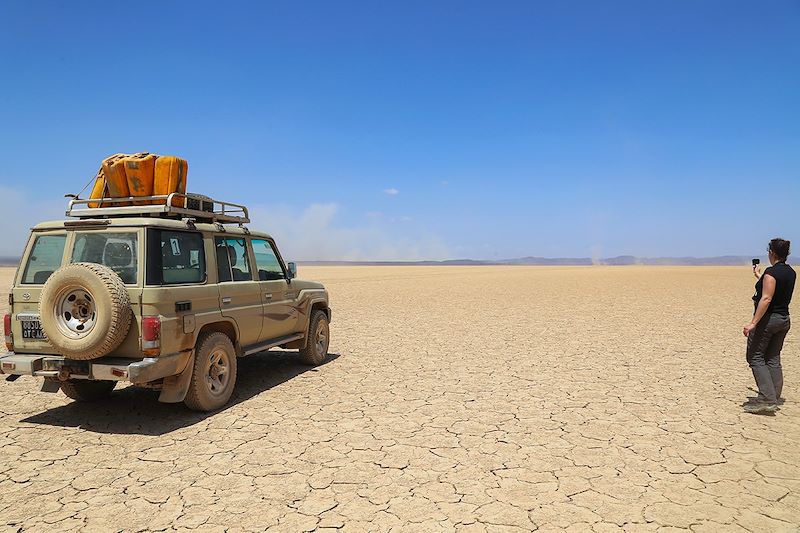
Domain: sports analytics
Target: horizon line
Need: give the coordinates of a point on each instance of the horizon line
(619, 260)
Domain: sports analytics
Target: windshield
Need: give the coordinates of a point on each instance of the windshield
(118, 251)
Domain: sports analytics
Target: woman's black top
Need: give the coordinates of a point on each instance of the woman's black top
(784, 286)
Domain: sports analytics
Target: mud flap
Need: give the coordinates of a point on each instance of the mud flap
(51, 385)
(174, 388)
(296, 345)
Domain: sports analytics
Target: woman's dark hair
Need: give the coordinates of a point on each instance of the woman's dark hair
(780, 247)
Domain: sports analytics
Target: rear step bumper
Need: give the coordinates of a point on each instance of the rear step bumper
(105, 368)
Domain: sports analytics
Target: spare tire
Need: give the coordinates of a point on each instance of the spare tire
(85, 310)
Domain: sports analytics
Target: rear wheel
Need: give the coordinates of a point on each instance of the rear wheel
(87, 391)
(214, 373)
(316, 350)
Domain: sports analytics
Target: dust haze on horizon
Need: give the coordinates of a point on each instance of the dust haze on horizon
(315, 235)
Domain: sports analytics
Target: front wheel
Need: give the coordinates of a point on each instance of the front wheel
(214, 373)
(316, 350)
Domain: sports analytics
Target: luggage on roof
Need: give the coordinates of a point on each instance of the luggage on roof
(140, 173)
(144, 184)
(99, 189)
(116, 180)
(170, 176)
(137, 175)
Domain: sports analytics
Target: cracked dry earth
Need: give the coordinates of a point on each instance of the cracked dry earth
(459, 399)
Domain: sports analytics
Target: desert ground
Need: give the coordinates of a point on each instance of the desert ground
(457, 398)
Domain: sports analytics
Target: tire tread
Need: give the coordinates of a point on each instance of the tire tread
(308, 354)
(193, 400)
(121, 312)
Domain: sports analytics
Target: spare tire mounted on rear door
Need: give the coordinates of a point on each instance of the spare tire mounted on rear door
(85, 310)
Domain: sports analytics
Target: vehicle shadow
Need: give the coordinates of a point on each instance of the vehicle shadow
(137, 411)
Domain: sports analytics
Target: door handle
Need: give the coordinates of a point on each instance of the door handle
(226, 300)
(268, 295)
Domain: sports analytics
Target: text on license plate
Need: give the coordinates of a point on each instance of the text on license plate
(32, 329)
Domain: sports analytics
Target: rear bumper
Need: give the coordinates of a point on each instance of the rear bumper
(105, 368)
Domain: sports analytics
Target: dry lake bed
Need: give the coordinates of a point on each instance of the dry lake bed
(458, 398)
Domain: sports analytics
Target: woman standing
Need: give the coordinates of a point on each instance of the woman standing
(767, 331)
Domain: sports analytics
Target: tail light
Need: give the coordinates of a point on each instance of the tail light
(7, 332)
(151, 335)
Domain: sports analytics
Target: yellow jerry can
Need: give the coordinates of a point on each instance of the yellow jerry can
(139, 171)
(116, 181)
(99, 188)
(170, 176)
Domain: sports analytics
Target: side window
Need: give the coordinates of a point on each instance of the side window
(269, 268)
(114, 250)
(183, 259)
(44, 259)
(232, 261)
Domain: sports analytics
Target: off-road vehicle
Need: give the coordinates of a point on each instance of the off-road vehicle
(161, 296)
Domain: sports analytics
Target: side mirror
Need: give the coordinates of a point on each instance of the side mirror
(292, 270)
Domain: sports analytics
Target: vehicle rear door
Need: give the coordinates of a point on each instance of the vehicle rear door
(280, 314)
(44, 255)
(239, 294)
(118, 248)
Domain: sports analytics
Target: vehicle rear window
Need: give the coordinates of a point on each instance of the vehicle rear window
(117, 251)
(175, 257)
(183, 259)
(44, 259)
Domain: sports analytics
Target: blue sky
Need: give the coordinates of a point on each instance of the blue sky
(503, 129)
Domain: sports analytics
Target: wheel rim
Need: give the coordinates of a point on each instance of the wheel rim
(218, 374)
(75, 312)
(321, 337)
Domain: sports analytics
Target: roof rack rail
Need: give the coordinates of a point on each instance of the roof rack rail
(173, 205)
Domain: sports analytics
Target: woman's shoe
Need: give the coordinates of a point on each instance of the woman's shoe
(760, 399)
(760, 408)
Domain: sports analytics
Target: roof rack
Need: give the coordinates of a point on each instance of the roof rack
(173, 205)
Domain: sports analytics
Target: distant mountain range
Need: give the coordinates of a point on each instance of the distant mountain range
(723, 260)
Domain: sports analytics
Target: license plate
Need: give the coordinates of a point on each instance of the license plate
(32, 329)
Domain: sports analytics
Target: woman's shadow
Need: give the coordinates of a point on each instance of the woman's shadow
(133, 410)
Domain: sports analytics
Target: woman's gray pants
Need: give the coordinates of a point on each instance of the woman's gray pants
(764, 355)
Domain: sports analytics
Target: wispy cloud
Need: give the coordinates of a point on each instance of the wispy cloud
(391, 192)
(312, 232)
(315, 233)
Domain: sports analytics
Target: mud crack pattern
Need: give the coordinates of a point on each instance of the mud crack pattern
(458, 399)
